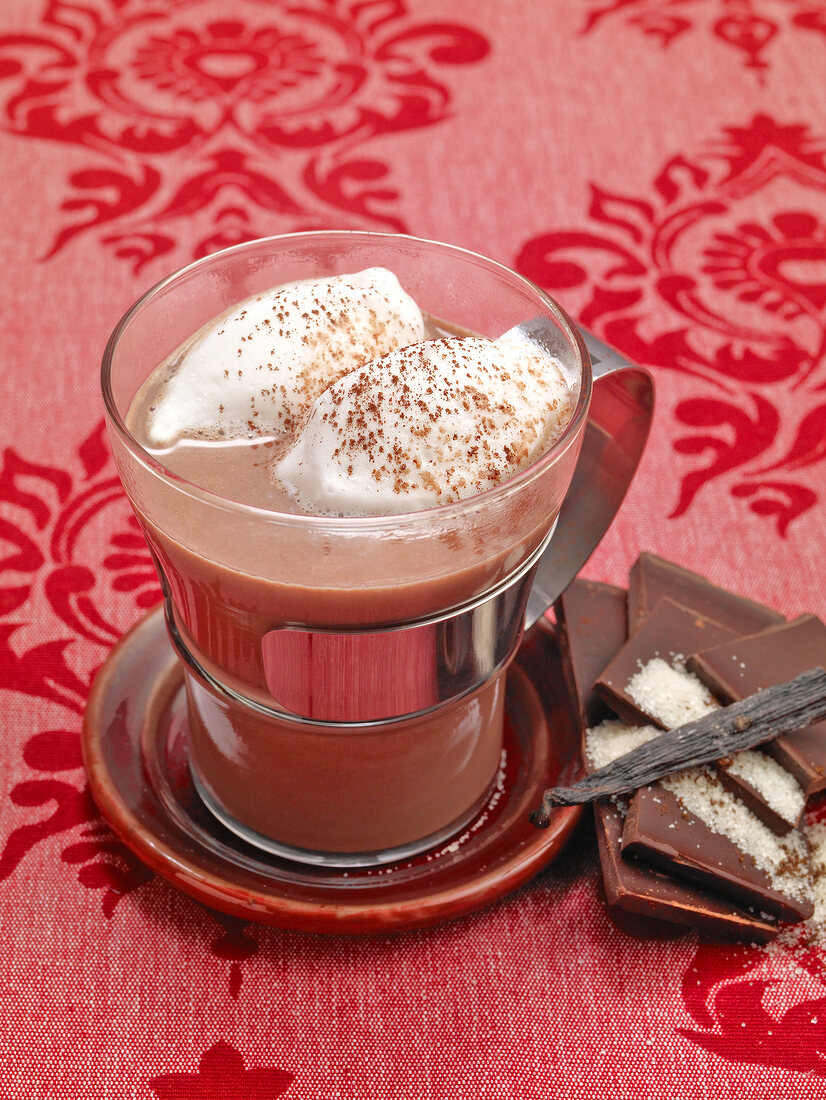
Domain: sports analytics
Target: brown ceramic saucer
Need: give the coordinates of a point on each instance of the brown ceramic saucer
(139, 776)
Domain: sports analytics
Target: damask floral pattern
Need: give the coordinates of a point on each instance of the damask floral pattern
(266, 122)
(724, 991)
(221, 1074)
(694, 277)
(176, 128)
(50, 526)
(48, 519)
(749, 27)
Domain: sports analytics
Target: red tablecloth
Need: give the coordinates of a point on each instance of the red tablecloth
(660, 167)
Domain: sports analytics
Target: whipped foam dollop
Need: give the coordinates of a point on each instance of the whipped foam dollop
(427, 424)
(258, 371)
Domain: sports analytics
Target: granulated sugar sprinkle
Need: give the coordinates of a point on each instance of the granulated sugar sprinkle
(777, 787)
(812, 933)
(816, 835)
(784, 860)
(669, 693)
(611, 739)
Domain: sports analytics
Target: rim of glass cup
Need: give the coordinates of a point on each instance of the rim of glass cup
(361, 524)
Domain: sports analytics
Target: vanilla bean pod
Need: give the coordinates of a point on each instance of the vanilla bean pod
(761, 717)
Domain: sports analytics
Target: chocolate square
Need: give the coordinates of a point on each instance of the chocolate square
(661, 831)
(739, 786)
(732, 670)
(669, 631)
(653, 578)
(632, 887)
(593, 624)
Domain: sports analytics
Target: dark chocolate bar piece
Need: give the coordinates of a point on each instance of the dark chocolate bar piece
(653, 578)
(670, 632)
(593, 622)
(593, 627)
(661, 831)
(733, 670)
(631, 887)
(757, 796)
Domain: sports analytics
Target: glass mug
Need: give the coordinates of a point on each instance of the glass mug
(345, 676)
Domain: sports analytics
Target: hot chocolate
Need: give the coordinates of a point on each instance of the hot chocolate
(252, 433)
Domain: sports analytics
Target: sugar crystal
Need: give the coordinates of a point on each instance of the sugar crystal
(612, 738)
(777, 787)
(669, 693)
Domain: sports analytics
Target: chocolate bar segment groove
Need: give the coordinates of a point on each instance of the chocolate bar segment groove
(652, 578)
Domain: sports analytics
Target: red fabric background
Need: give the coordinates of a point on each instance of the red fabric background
(660, 167)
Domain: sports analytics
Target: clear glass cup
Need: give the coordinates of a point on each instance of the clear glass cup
(351, 610)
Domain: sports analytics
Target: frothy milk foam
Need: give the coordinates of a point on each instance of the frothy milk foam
(378, 419)
(257, 369)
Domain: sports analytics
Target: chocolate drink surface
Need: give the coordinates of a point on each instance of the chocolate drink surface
(229, 587)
